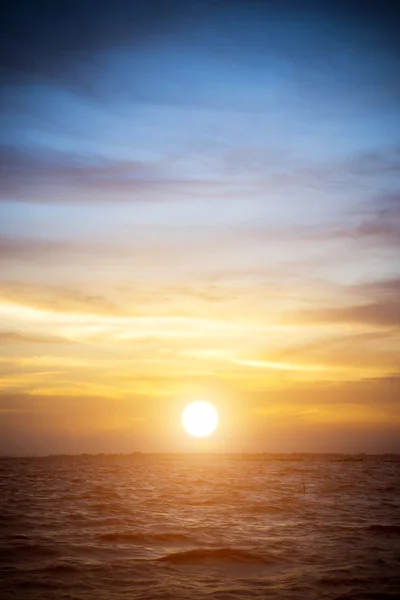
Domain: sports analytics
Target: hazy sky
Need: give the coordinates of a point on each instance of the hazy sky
(199, 200)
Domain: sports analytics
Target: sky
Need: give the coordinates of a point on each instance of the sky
(199, 200)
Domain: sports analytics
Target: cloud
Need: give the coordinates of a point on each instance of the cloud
(10, 337)
(46, 175)
(382, 288)
(384, 314)
(33, 249)
(383, 221)
(380, 309)
(29, 173)
(68, 423)
(375, 162)
(343, 417)
(376, 222)
(356, 350)
(56, 298)
(365, 393)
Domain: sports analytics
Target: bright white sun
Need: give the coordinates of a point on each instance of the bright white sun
(200, 419)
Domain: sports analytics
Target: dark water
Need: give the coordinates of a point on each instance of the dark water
(216, 527)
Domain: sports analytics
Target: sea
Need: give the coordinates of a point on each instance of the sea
(200, 526)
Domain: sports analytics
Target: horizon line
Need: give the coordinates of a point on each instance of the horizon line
(201, 453)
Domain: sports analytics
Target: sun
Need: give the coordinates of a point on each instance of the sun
(200, 419)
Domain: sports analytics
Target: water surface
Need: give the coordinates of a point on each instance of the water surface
(191, 527)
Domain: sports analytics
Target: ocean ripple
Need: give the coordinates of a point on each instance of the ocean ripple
(199, 527)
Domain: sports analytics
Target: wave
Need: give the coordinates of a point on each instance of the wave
(20, 548)
(345, 580)
(368, 596)
(214, 555)
(385, 529)
(145, 538)
(266, 508)
(62, 567)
